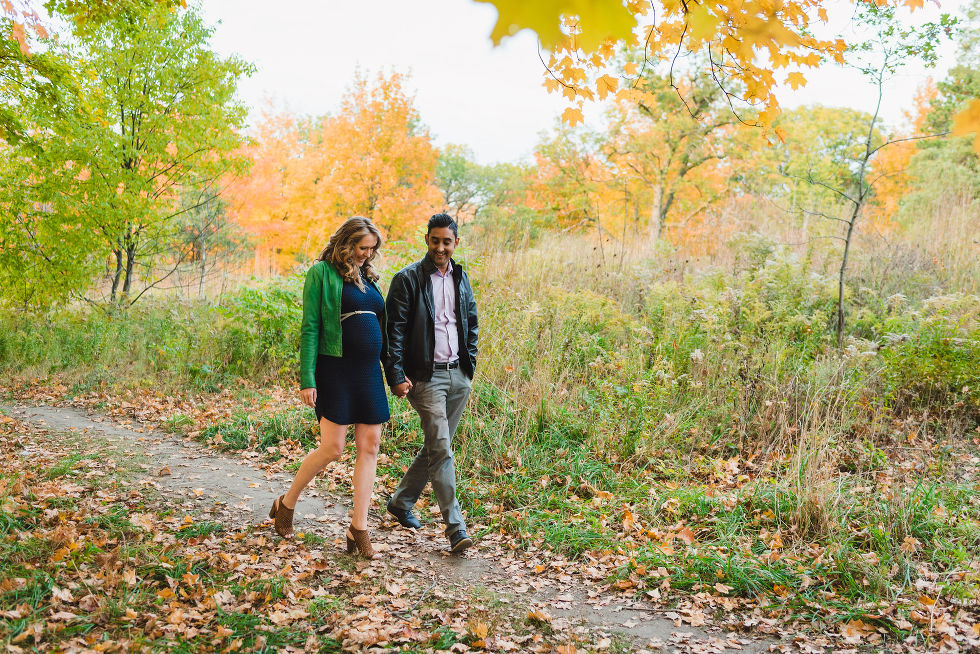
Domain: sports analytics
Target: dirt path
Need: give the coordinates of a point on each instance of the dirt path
(235, 491)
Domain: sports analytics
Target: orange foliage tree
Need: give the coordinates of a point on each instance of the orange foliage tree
(569, 179)
(265, 203)
(373, 158)
(377, 158)
(891, 168)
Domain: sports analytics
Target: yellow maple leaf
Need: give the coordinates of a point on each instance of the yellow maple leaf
(572, 116)
(702, 22)
(968, 121)
(605, 85)
(595, 20)
(630, 69)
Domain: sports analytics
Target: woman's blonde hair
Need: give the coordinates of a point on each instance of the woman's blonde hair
(340, 250)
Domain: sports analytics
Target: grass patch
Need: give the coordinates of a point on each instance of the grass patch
(201, 529)
(264, 431)
(66, 465)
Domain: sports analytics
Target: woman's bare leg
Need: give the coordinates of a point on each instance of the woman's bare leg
(368, 440)
(331, 446)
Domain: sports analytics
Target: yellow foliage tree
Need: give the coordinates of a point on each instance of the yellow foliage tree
(675, 155)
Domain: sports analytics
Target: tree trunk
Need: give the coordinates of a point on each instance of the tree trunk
(661, 205)
(657, 212)
(200, 288)
(130, 262)
(118, 275)
(843, 269)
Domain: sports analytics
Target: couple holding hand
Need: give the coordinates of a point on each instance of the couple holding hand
(425, 336)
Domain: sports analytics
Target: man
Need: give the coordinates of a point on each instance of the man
(432, 335)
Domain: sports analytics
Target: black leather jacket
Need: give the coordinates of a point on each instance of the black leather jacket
(411, 327)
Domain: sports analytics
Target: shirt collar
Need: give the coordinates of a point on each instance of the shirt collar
(429, 266)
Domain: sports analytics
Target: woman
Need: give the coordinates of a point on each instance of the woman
(341, 341)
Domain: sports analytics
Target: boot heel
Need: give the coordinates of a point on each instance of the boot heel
(358, 539)
(283, 518)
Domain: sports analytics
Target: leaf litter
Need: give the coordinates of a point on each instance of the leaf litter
(944, 625)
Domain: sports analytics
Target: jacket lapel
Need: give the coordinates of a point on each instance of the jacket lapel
(425, 285)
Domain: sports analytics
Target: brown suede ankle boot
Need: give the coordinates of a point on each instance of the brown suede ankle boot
(358, 539)
(283, 518)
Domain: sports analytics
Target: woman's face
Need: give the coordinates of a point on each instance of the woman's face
(363, 249)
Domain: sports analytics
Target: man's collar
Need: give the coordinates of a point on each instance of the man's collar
(429, 266)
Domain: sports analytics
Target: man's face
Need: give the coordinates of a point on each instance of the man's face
(442, 243)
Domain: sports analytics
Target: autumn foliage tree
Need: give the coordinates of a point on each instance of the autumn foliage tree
(372, 158)
(378, 159)
(570, 175)
(266, 203)
(672, 146)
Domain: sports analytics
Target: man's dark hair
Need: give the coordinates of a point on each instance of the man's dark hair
(442, 220)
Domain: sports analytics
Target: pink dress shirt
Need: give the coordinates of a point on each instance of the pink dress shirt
(444, 306)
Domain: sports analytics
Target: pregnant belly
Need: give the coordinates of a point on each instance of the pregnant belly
(362, 337)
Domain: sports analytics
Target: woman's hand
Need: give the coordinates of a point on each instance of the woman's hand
(402, 389)
(308, 395)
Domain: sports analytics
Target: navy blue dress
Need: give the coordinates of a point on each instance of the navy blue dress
(349, 388)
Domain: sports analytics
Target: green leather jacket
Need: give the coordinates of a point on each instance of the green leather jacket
(320, 332)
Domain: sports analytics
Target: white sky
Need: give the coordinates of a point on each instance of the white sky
(468, 92)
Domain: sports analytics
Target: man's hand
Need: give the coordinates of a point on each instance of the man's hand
(402, 389)
(308, 395)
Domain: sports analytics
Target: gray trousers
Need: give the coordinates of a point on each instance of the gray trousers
(439, 403)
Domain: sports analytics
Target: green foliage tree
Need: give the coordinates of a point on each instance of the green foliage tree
(461, 181)
(26, 79)
(818, 153)
(207, 235)
(156, 116)
(474, 192)
(949, 166)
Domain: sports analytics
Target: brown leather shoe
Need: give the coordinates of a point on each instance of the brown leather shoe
(283, 517)
(358, 539)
